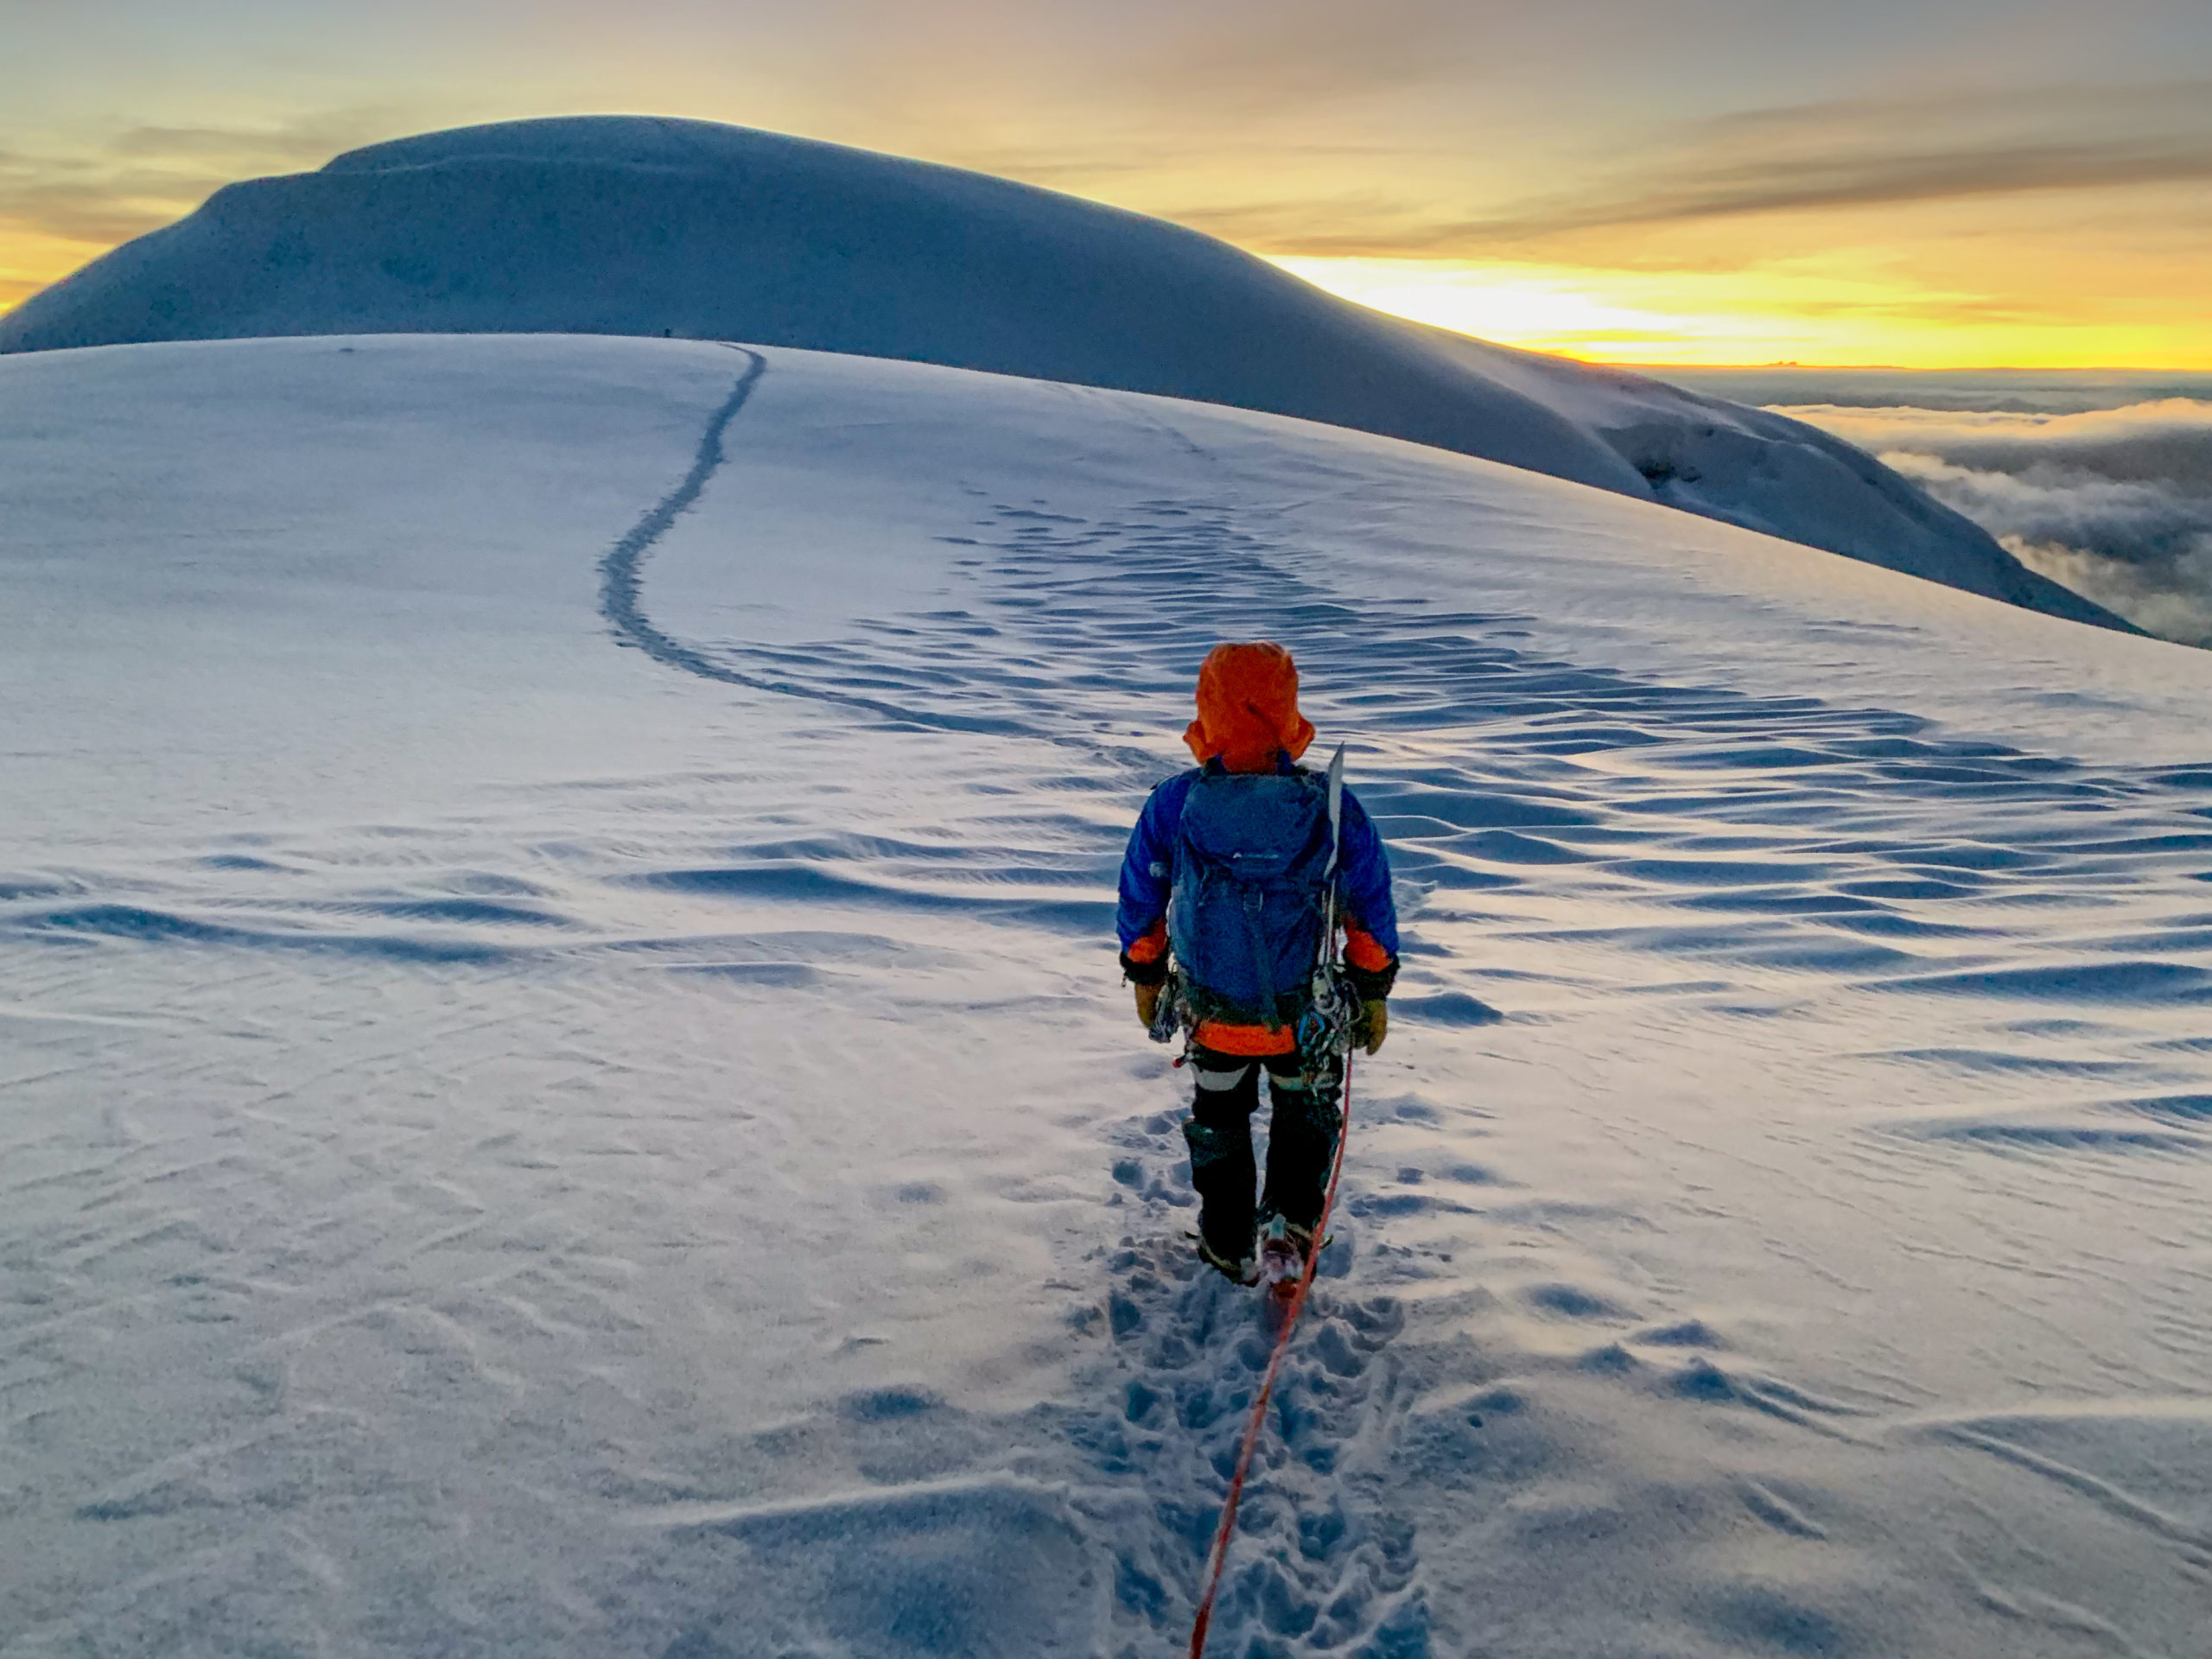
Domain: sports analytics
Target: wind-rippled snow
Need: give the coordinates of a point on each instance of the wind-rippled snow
(515, 1144)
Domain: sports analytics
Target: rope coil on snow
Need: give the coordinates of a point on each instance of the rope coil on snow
(1218, 1557)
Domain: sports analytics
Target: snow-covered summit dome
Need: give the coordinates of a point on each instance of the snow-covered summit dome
(606, 141)
(653, 227)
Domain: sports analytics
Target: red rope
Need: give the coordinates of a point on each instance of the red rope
(1219, 1557)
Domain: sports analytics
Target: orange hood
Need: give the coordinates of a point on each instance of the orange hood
(1248, 708)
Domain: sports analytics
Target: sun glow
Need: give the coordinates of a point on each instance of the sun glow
(29, 261)
(1800, 314)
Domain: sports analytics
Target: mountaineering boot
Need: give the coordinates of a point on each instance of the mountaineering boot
(1284, 1247)
(1220, 1170)
(1245, 1271)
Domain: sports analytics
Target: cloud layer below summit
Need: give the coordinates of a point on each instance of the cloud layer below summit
(2114, 503)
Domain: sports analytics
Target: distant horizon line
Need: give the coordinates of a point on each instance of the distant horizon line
(1904, 368)
(1658, 370)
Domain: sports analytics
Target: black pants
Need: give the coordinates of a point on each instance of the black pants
(1301, 1144)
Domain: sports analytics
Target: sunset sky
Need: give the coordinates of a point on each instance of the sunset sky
(1917, 182)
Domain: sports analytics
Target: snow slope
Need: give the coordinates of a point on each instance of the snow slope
(636, 225)
(562, 1088)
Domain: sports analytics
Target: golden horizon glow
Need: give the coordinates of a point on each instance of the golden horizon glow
(1735, 319)
(29, 262)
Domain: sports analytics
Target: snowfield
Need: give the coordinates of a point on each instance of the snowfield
(651, 226)
(563, 1088)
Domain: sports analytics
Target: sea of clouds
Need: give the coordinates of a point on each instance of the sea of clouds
(2102, 481)
(2114, 503)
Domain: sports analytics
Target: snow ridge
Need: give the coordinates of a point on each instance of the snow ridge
(653, 227)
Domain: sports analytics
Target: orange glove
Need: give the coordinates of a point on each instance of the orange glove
(1378, 1023)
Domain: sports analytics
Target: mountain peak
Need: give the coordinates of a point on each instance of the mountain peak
(650, 226)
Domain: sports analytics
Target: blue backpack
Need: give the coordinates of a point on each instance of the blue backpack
(1253, 858)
